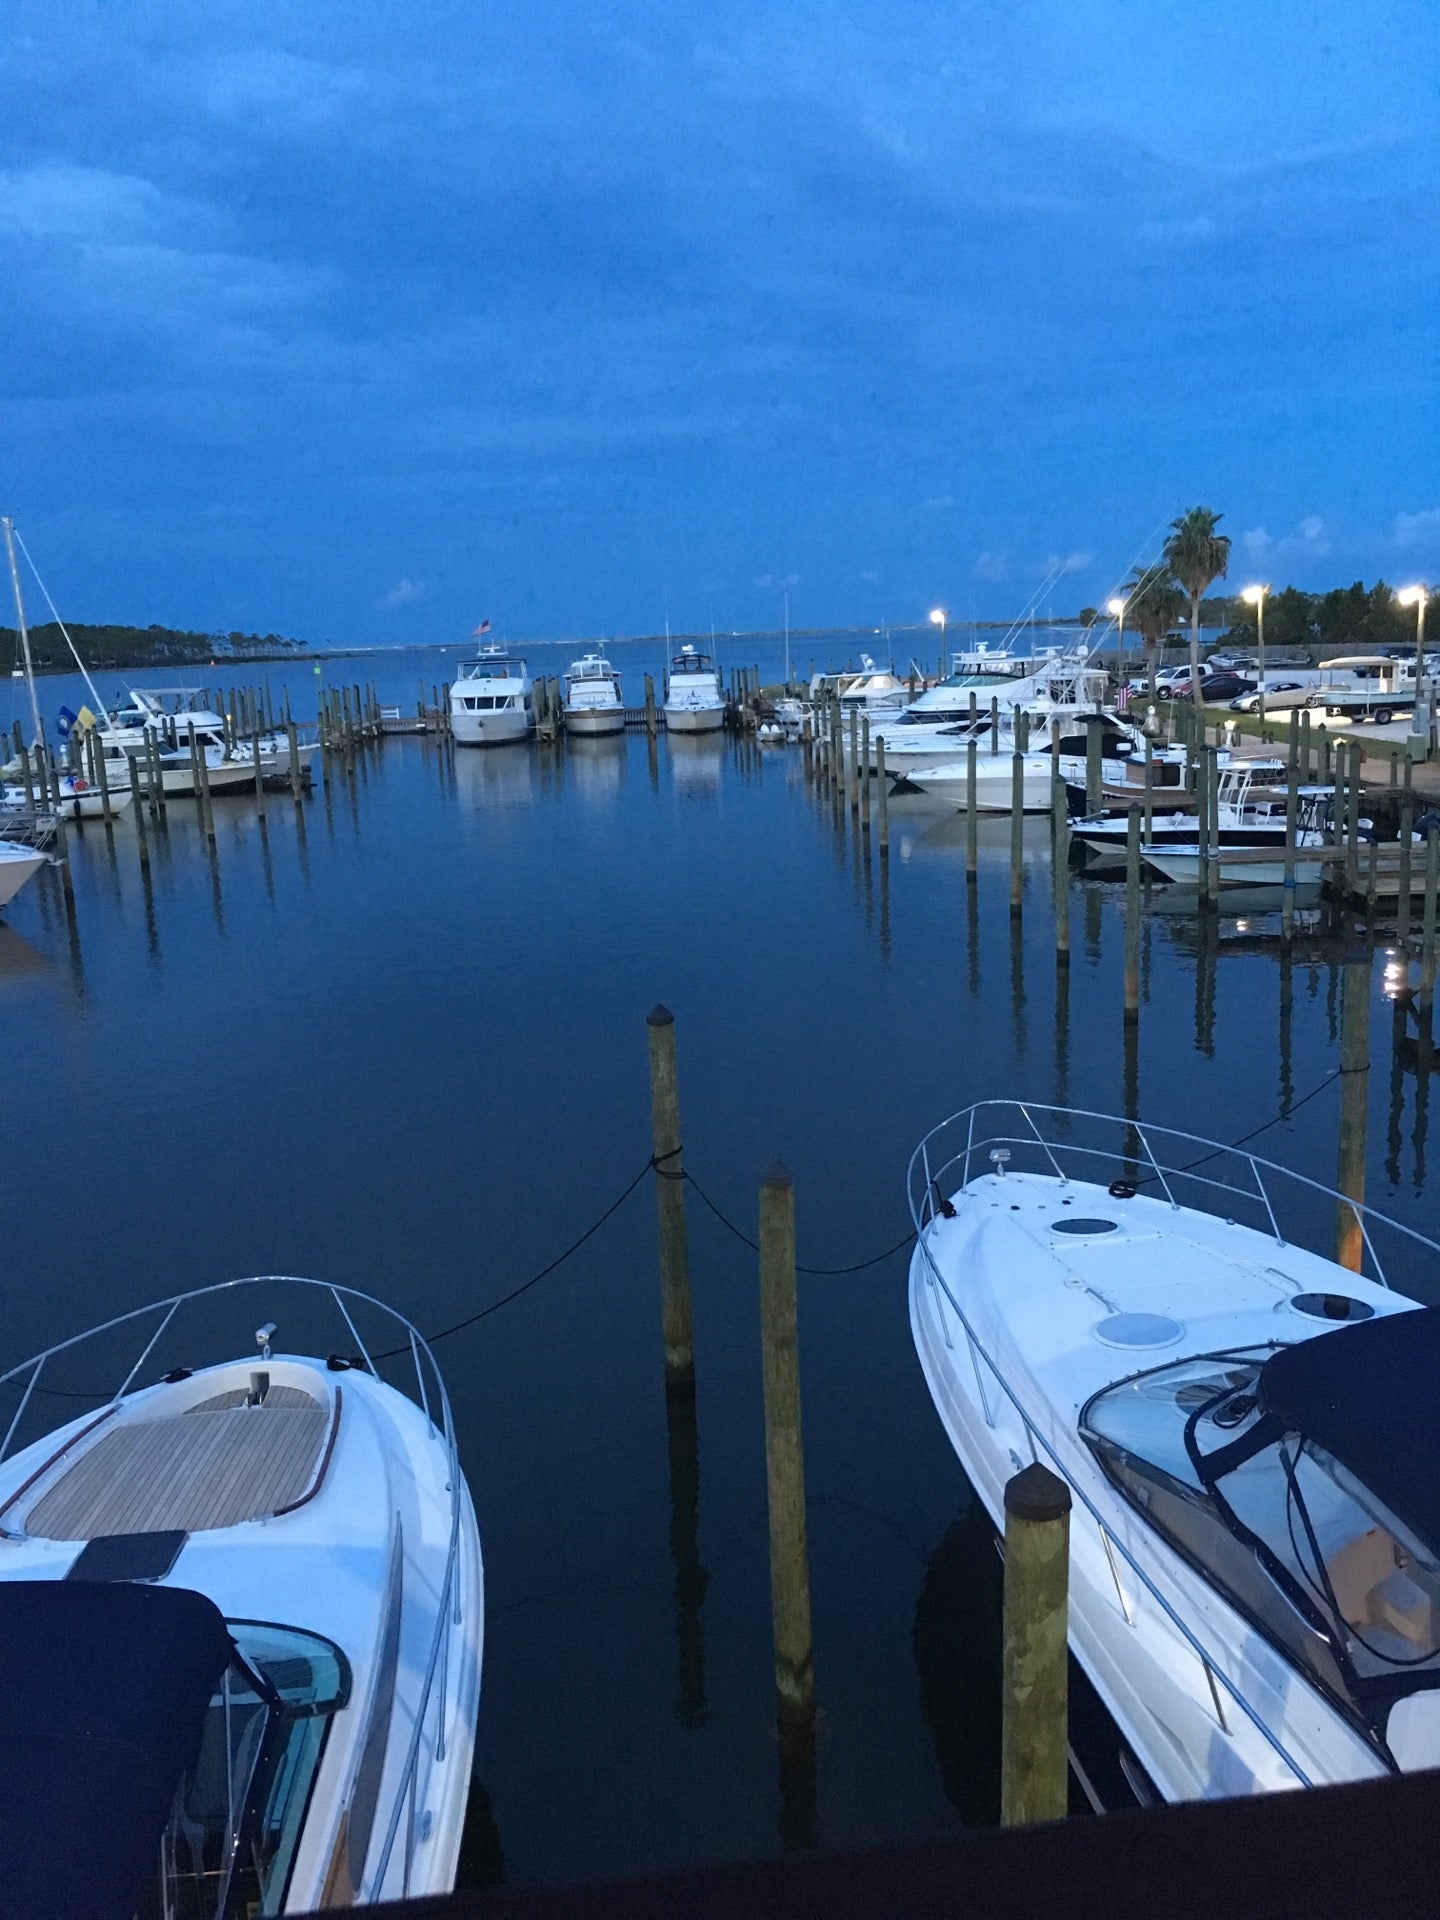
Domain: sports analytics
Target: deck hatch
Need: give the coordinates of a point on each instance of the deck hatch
(189, 1472)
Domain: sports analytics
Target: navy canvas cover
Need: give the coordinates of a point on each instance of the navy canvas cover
(103, 1693)
(1369, 1394)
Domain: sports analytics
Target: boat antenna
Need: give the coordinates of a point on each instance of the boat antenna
(55, 615)
(9, 525)
(667, 617)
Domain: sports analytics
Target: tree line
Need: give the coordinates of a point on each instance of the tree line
(113, 647)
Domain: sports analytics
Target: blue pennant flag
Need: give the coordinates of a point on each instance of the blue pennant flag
(64, 721)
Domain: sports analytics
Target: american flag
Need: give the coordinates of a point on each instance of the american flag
(484, 627)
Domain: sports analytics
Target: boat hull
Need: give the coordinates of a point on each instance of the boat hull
(593, 722)
(17, 866)
(694, 719)
(1182, 866)
(994, 783)
(490, 729)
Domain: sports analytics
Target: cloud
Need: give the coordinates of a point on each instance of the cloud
(1069, 562)
(1418, 529)
(1309, 541)
(781, 583)
(992, 566)
(281, 92)
(870, 576)
(404, 593)
(940, 503)
(88, 204)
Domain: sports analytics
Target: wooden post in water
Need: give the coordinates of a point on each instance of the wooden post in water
(865, 771)
(972, 813)
(854, 763)
(1017, 829)
(1427, 924)
(1354, 1104)
(1094, 772)
(994, 724)
(1202, 824)
(157, 776)
(1292, 828)
(650, 719)
(882, 786)
(259, 772)
(1132, 914)
(141, 836)
(1405, 879)
(676, 1316)
(196, 787)
(1148, 825)
(784, 1452)
(1035, 1681)
(1349, 771)
(293, 742)
(102, 776)
(1060, 859)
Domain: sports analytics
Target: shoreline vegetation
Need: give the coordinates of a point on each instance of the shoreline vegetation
(107, 648)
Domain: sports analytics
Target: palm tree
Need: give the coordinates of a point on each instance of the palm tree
(1154, 603)
(1197, 555)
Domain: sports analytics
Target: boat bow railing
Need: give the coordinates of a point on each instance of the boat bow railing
(421, 1380)
(1185, 1169)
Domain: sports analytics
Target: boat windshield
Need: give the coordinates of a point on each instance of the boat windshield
(1291, 1536)
(231, 1841)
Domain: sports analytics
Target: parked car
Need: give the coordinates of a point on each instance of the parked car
(1278, 693)
(1224, 686)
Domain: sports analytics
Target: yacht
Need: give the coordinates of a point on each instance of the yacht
(240, 1615)
(593, 704)
(80, 797)
(1249, 812)
(949, 780)
(1248, 1429)
(1052, 731)
(18, 863)
(163, 717)
(693, 700)
(491, 703)
(1055, 692)
(874, 691)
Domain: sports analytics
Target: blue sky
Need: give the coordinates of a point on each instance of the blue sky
(362, 321)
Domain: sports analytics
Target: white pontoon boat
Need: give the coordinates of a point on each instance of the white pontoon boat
(278, 1558)
(1249, 1430)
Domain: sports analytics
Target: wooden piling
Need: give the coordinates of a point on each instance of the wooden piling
(102, 777)
(141, 836)
(784, 1452)
(994, 724)
(1094, 771)
(865, 771)
(882, 786)
(1427, 924)
(972, 813)
(651, 721)
(1354, 1106)
(1406, 880)
(1017, 830)
(1292, 828)
(676, 1316)
(854, 763)
(1148, 823)
(1202, 823)
(293, 742)
(1034, 1762)
(1061, 861)
(259, 772)
(1132, 914)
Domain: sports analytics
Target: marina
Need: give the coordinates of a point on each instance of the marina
(353, 927)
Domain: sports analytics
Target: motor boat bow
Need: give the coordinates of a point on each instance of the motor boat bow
(18, 863)
(1248, 1428)
(593, 702)
(264, 1576)
(492, 703)
(693, 700)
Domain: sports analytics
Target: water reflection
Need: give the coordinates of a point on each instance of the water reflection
(500, 776)
(19, 958)
(691, 1579)
(957, 1657)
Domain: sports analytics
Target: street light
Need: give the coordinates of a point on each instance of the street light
(938, 618)
(1115, 607)
(1416, 597)
(1255, 597)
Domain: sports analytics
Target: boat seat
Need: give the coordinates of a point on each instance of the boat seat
(1374, 1589)
(212, 1467)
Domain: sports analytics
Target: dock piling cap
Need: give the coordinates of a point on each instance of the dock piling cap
(660, 1016)
(1035, 1493)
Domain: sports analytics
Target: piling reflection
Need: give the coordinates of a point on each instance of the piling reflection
(957, 1658)
(691, 1579)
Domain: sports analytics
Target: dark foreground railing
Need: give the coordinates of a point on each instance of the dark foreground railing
(1367, 1852)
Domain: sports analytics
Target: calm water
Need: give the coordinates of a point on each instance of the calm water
(399, 1042)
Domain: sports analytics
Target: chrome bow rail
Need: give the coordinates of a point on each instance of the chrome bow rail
(427, 1390)
(1185, 1169)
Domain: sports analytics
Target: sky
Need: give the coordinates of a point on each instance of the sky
(363, 322)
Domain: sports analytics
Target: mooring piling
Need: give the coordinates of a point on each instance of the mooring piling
(865, 771)
(1017, 830)
(1354, 1108)
(972, 811)
(1034, 1762)
(1132, 915)
(784, 1452)
(882, 796)
(676, 1316)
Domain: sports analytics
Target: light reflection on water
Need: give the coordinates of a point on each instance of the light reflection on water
(396, 1038)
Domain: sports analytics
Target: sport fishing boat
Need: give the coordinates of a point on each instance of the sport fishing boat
(873, 691)
(166, 716)
(491, 702)
(1249, 1431)
(240, 1615)
(1052, 731)
(593, 703)
(18, 863)
(1249, 812)
(693, 700)
(986, 692)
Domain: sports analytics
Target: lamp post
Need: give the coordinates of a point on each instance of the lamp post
(1115, 607)
(1255, 597)
(1416, 597)
(939, 618)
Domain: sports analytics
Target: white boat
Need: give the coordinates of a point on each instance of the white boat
(80, 799)
(18, 864)
(492, 701)
(1056, 691)
(1182, 865)
(166, 714)
(693, 700)
(875, 691)
(1248, 1431)
(1249, 812)
(275, 1559)
(994, 781)
(593, 704)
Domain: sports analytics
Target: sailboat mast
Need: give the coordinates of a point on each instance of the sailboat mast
(21, 628)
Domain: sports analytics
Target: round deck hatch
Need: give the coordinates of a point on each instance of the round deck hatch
(1338, 1307)
(1081, 1225)
(1138, 1330)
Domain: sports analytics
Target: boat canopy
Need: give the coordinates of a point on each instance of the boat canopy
(104, 1688)
(1369, 1394)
